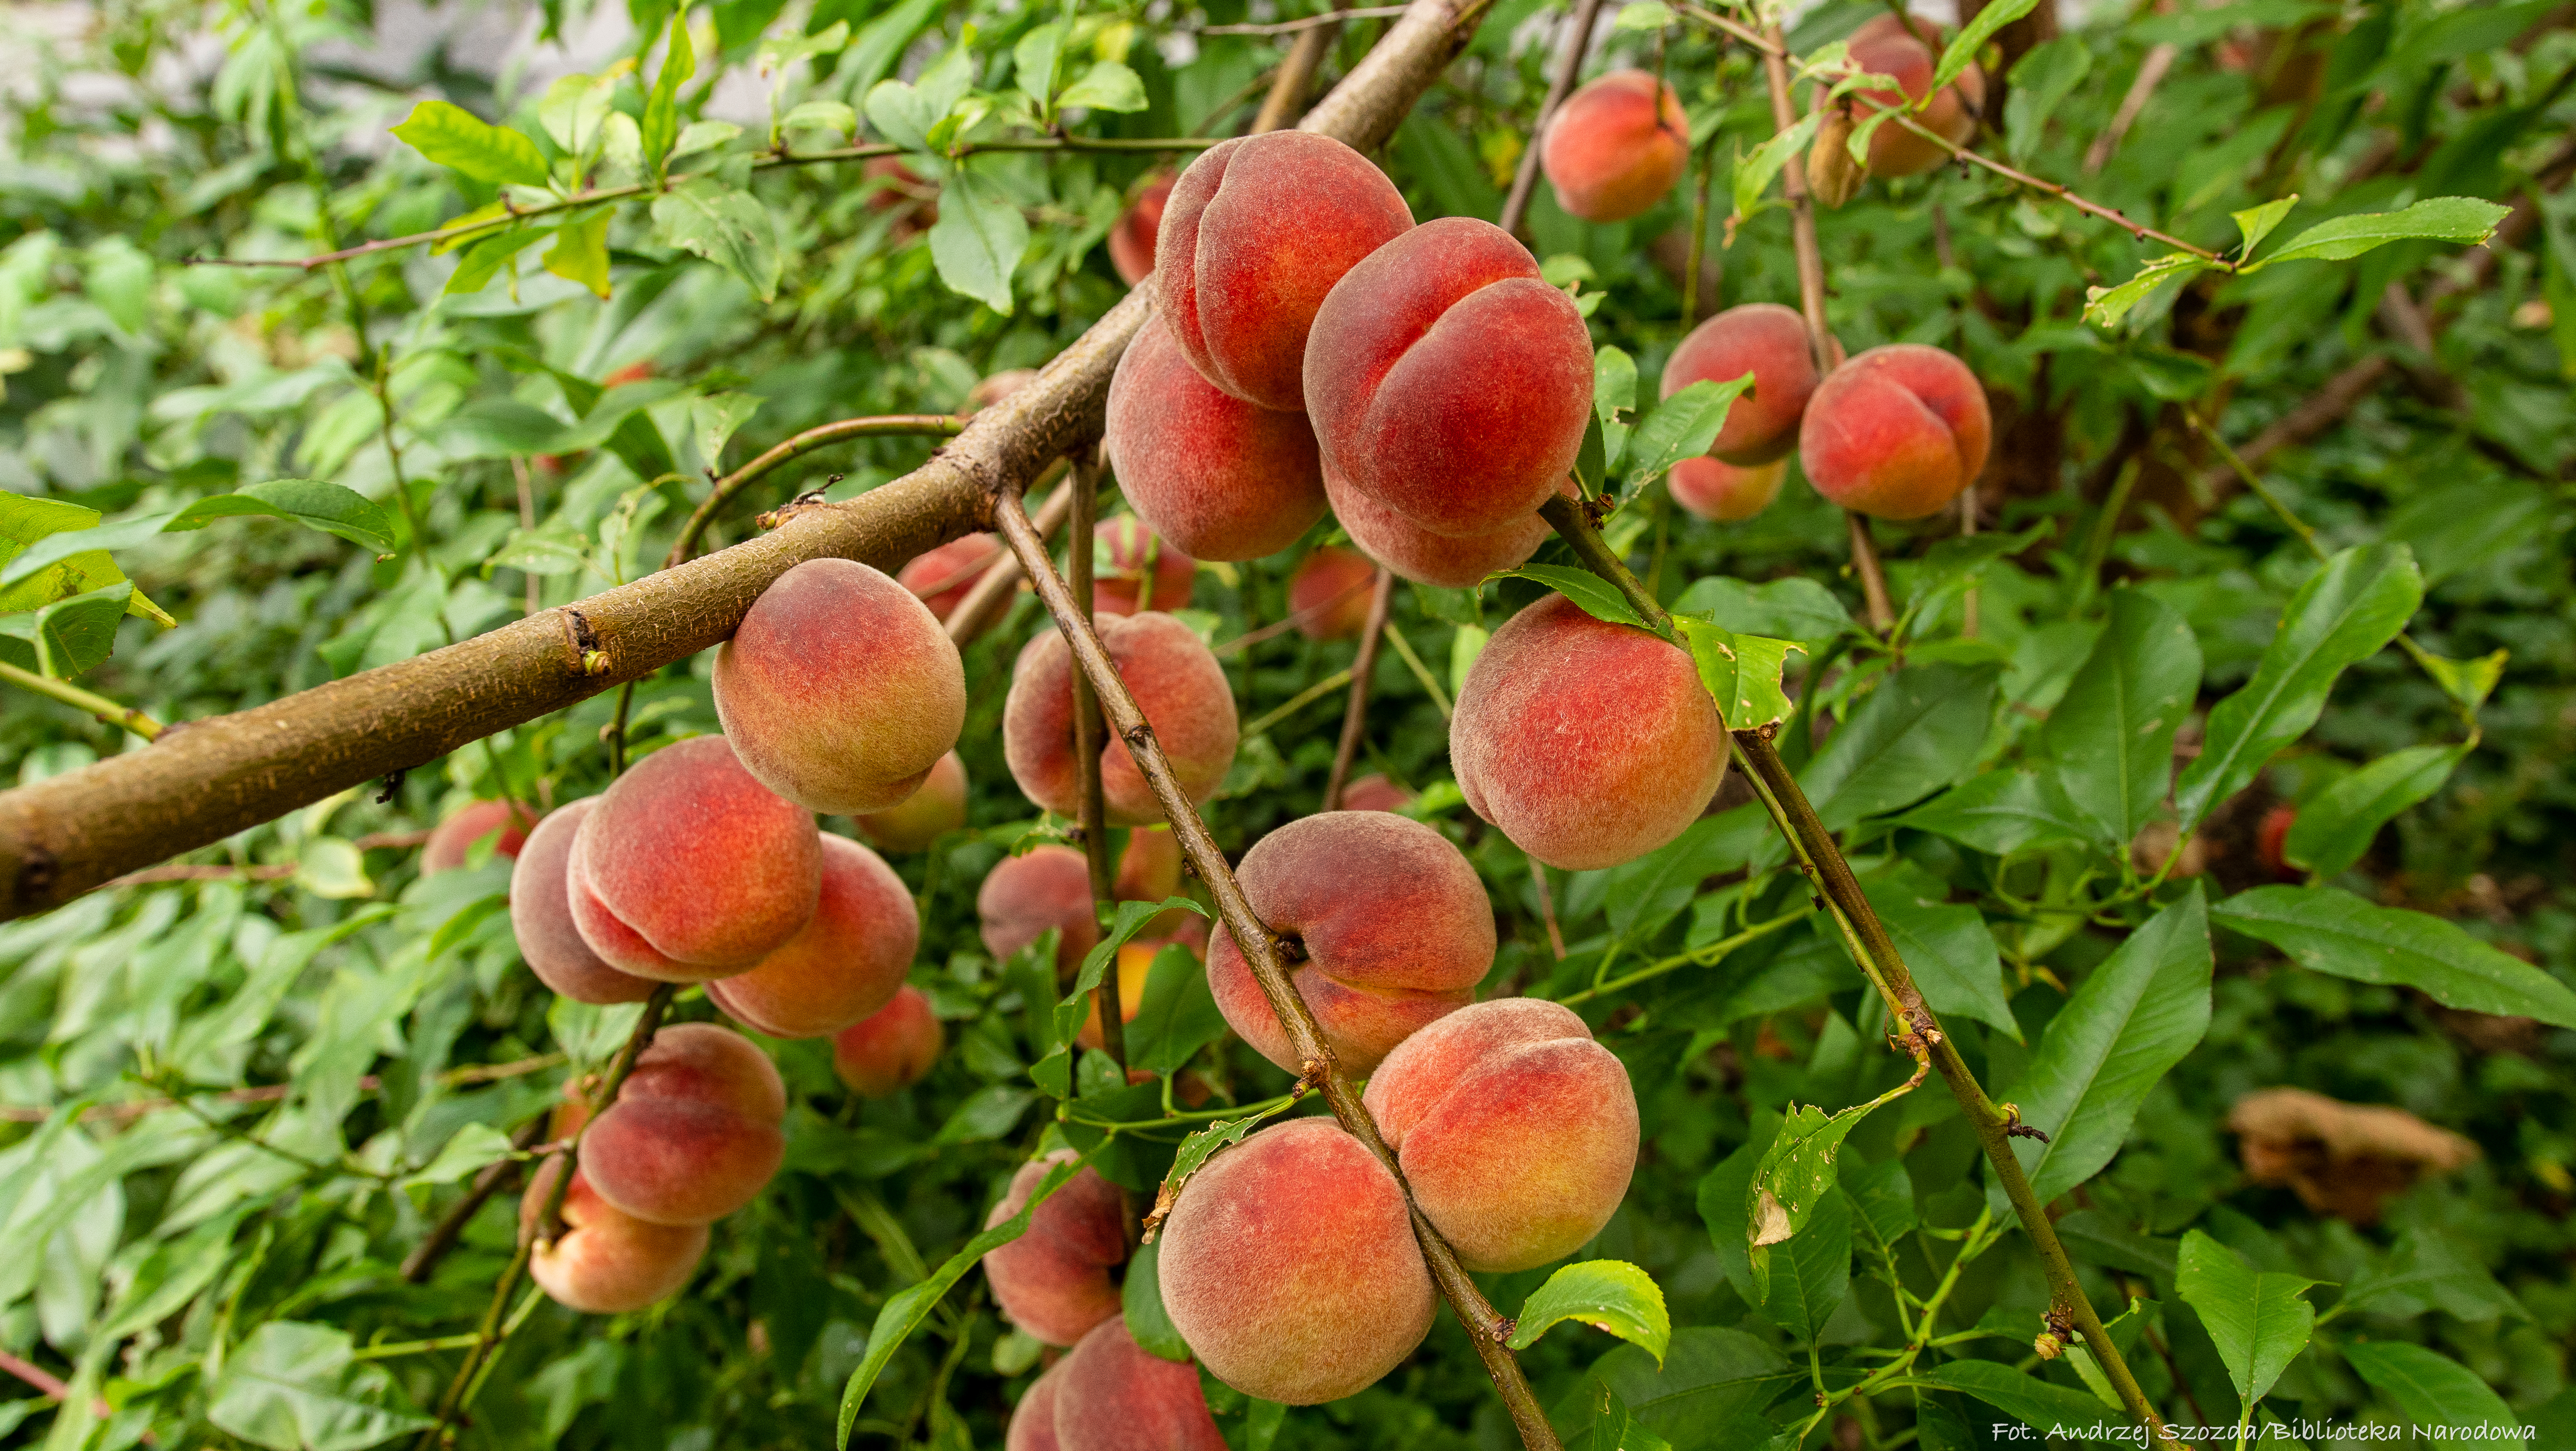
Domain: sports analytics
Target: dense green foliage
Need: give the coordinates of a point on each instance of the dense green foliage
(525, 418)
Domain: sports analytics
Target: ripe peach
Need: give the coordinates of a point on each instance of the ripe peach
(605, 1262)
(1517, 1132)
(840, 690)
(941, 577)
(2272, 837)
(1032, 1425)
(1149, 870)
(1770, 342)
(1724, 493)
(1289, 1265)
(1396, 927)
(1418, 554)
(694, 1133)
(1447, 381)
(450, 840)
(1133, 569)
(1053, 1281)
(689, 869)
(1217, 477)
(1588, 743)
(1178, 685)
(891, 1049)
(935, 808)
(1048, 886)
(1885, 47)
(541, 917)
(1328, 596)
(1896, 433)
(1257, 230)
(1118, 1396)
(846, 964)
(1375, 793)
(1131, 242)
(1616, 146)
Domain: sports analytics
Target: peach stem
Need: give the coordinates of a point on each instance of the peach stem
(1262, 953)
(1355, 719)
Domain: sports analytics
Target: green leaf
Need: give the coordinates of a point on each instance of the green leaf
(1950, 952)
(2109, 739)
(1195, 1151)
(296, 1387)
(2427, 1272)
(462, 142)
(1810, 1276)
(1592, 459)
(68, 638)
(1033, 62)
(580, 254)
(1753, 173)
(1141, 1303)
(906, 113)
(1611, 1296)
(2000, 812)
(661, 122)
(2333, 931)
(1708, 1380)
(2256, 223)
(906, 1309)
(2108, 306)
(1132, 918)
(715, 417)
(1796, 608)
(1741, 672)
(1795, 1175)
(883, 42)
(67, 554)
(2431, 1388)
(1962, 50)
(2335, 826)
(487, 257)
(1107, 86)
(1599, 598)
(726, 226)
(1683, 426)
(470, 1148)
(2469, 682)
(2026, 1398)
(1918, 731)
(2042, 78)
(2466, 220)
(2130, 1021)
(1178, 1016)
(2259, 1322)
(979, 237)
(1643, 15)
(573, 108)
(341, 512)
(1606, 1425)
(1614, 384)
(2344, 613)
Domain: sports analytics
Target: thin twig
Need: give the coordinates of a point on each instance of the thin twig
(1547, 909)
(1084, 485)
(528, 522)
(1421, 672)
(900, 425)
(1297, 702)
(1486, 1330)
(1306, 24)
(1317, 610)
(272, 1092)
(1316, 35)
(125, 717)
(1355, 717)
(2151, 73)
(494, 1177)
(1569, 66)
(984, 605)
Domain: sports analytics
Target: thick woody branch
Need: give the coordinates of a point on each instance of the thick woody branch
(1261, 951)
(1315, 39)
(1355, 718)
(205, 780)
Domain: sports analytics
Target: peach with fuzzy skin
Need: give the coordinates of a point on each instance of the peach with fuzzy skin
(690, 869)
(1218, 478)
(1588, 744)
(1770, 342)
(1118, 1396)
(1517, 1132)
(1616, 146)
(1131, 242)
(1896, 432)
(1149, 870)
(1289, 1265)
(941, 577)
(541, 917)
(1032, 1425)
(1256, 232)
(1053, 1281)
(1328, 596)
(935, 808)
(839, 690)
(694, 1133)
(1135, 569)
(891, 1049)
(1023, 896)
(1723, 493)
(1448, 382)
(1886, 47)
(1375, 793)
(1396, 927)
(847, 963)
(453, 839)
(1418, 554)
(1177, 683)
(605, 1262)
